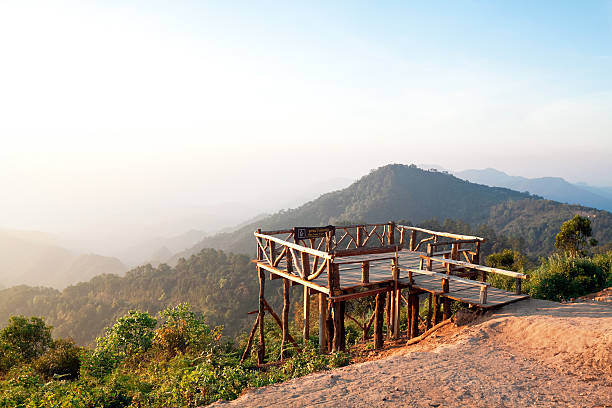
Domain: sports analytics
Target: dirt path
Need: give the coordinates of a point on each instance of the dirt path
(532, 353)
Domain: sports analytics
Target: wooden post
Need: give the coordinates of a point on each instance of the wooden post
(517, 289)
(391, 233)
(409, 311)
(261, 352)
(306, 314)
(358, 237)
(322, 322)
(476, 256)
(429, 311)
(285, 340)
(378, 320)
(414, 320)
(446, 308)
(397, 295)
(339, 343)
(330, 326)
(389, 301)
(483, 276)
(429, 254)
(436, 309)
(413, 243)
(454, 256)
(365, 272)
(483, 295)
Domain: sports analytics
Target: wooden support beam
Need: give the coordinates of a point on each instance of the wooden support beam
(414, 319)
(261, 352)
(396, 300)
(279, 323)
(306, 314)
(378, 320)
(388, 312)
(517, 289)
(249, 344)
(413, 242)
(339, 343)
(446, 308)
(429, 311)
(322, 322)
(436, 309)
(285, 320)
(330, 326)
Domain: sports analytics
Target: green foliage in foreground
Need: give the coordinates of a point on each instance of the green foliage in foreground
(142, 361)
(563, 277)
(559, 277)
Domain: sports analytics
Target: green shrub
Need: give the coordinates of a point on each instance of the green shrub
(562, 277)
(62, 360)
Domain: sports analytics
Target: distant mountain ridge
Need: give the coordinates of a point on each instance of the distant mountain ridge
(552, 188)
(396, 192)
(32, 258)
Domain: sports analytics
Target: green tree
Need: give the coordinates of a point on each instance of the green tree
(29, 337)
(132, 334)
(574, 234)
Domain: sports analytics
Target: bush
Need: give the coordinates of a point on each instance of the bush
(29, 338)
(9, 357)
(132, 334)
(183, 330)
(62, 360)
(562, 277)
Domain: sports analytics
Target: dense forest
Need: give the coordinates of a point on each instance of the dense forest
(400, 192)
(221, 286)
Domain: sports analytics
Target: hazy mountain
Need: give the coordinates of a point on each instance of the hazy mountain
(397, 192)
(553, 188)
(599, 190)
(32, 258)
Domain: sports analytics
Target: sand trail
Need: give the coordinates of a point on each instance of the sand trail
(532, 353)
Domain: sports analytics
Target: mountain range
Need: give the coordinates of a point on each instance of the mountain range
(552, 188)
(401, 192)
(33, 258)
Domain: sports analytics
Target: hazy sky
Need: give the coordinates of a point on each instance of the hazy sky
(117, 112)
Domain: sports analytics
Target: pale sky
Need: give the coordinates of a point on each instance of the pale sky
(118, 113)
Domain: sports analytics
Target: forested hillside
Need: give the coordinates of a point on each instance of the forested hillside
(222, 286)
(400, 192)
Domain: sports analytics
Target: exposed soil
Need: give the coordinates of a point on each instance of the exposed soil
(532, 353)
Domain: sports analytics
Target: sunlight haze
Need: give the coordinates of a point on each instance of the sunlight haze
(149, 117)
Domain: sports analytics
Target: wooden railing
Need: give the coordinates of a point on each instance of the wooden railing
(437, 243)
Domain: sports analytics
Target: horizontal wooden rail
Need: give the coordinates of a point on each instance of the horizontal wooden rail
(458, 241)
(300, 248)
(464, 264)
(366, 250)
(294, 278)
(442, 234)
(444, 276)
(285, 231)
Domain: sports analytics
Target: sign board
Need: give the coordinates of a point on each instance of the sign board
(312, 232)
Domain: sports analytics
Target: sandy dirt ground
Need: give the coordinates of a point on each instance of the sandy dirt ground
(529, 354)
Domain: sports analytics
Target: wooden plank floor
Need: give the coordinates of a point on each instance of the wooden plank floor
(380, 272)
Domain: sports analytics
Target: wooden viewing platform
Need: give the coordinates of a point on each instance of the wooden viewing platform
(394, 263)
